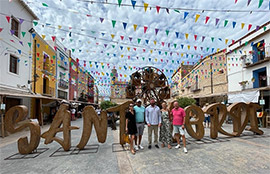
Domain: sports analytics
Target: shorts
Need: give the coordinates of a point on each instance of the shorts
(207, 119)
(140, 128)
(178, 129)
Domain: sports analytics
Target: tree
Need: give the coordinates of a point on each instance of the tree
(107, 104)
(185, 101)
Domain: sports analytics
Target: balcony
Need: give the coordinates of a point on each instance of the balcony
(48, 91)
(195, 88)
(255, 58)
(63, 64)
(63, 84)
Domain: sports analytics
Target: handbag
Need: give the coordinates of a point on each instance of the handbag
(126, 138)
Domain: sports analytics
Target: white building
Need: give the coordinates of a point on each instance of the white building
(16, 21)
(62, 70)
(248, 67)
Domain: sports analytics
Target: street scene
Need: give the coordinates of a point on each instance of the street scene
(120, 86)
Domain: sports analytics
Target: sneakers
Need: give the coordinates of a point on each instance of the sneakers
(157, 146)
(185, 150)
(149, 147)
(178, 146)
(140, 147)
(136, 148)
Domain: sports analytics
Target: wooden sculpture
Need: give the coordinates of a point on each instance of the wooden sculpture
(146, 83)
(15, 115)
(194, 111)
(90, 117)
(62, 117)
(122, 111)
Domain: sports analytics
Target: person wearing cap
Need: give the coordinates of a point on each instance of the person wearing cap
(140, 113)
(153, 120)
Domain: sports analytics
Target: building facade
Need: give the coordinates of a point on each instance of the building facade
(207, 81)
(62, 70)
(16, 46)
(248, 64)
(73, 78)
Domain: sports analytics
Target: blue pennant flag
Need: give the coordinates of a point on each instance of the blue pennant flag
(185, 14)
(177, 34)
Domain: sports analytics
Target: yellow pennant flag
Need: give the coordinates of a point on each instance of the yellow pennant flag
(59, 26)
(188, 47)
(226, 41)
(112, 35)
(245, 52)
(182, 54)
(47, 46)
(43, 36)
(156, 60)
(122, 56)
(197, 17)
(128, 48)
(102, 73)
(258, 44)
(135, 27)
(120, 67)
(186, 35)
(155, 42)
(125, 75)
(242, 25)
(145, 6)
(69, 59)
(91, 65)
(151, 51)
(218, 50)
(101, 64)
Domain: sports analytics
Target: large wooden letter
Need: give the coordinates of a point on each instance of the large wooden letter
(90, 117)
(253, 118)
(218, 114)
(122, 109)
(62, 116)
(196, 111)
(15, 115)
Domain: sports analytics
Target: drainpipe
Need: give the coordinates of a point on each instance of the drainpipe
(211, 70)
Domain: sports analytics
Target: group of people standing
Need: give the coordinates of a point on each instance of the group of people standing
(155, 118)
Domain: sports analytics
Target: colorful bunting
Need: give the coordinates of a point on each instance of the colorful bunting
(8, 18)
(135, 27)
(217, 20)
(206, 19)
(260, 3)
(197, 17)
(145, 6)
(113, 23)
(101, 19)
(119, 2)
(124, 25)
(133, 4)
(185, 14)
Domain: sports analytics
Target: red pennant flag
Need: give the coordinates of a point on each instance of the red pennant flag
(195, 47)
(8, 18)
(195, 37)
(249, 26)
(88, 15)
(233, 41)
(128, 57)
(1, 29)
(145, 28)
(37, 54)
(53, 38)
(143, 50)
(55, 48)
(157, 7)
(122, 37)
(134, 49)
(206, 19)
(162, 43)
(235, 1)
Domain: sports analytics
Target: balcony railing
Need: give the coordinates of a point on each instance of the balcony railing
(249, 60)
(195, 88)
(63, 84)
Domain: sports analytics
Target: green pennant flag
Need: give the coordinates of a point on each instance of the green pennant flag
(119, 2)
(35, 23)
(29, 44)
(108, 54)
(93, 32)
(139, 40)
(212, 38)
(113, 23)
(165, 53)
(23, 33)
(102, 67)
(143, 58)
(225, 23)
(37, 58)
(264, 28)
(73, 50)
(235, 51)
(167, 32)
(90, 62)
(172, 61)
(175, 45)
(260, 3)
(70, 40)
(177, 11)
(113, 46)
(207, 48)
(215, 58)
(192, 56)
(246, 43)
(45, 5)
(53, 57)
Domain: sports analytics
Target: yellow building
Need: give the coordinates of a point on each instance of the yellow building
(43, 75)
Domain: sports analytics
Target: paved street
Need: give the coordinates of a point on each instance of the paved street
(247, 154)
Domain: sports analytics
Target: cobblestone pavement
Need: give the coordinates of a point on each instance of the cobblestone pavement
(246, 154)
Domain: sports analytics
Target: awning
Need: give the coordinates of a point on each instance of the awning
(244, 96)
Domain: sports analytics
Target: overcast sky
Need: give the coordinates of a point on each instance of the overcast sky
(87, 28)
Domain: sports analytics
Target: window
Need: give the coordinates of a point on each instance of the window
(62, 94)
(197, 82)
(259, 78)
(13, 64)
(15, 26)
(258, 51)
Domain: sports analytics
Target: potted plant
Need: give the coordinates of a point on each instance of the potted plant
(243, 84)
